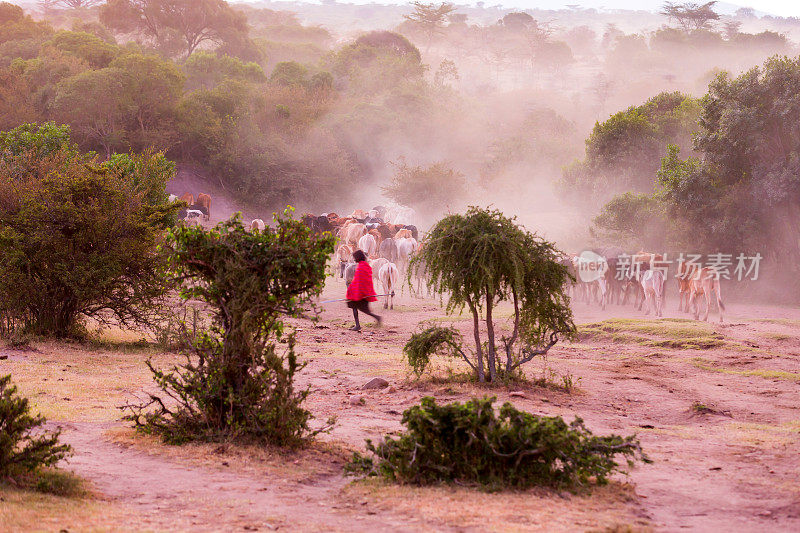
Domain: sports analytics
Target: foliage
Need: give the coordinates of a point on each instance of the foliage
(470, 443)
(632, 221)
(747, 180)
(239, 381)
(430, 18)
(423, 344)
(206, 70)
(23, 446)
(481, 258)
(426, 189)
(78, 238)
(623, 152)
(177, 26)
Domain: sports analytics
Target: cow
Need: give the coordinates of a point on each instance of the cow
(188, 198)
(403, 234)
(349, 270)
(388, 250)
(343, 255)
(204, 200)
(405, 250)
(358, 214)
(368, 245)
(703, 283)
(414, 231)
(388, 275)
(652, 281)
(354, 232)
(686, 271)
(376, 265)
(321, 224)
(377, 234)
(257, 225)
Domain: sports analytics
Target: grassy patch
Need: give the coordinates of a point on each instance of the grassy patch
(765, 435)
(675, 333)
(762, 373)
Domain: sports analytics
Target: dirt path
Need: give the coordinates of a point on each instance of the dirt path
(166, 494)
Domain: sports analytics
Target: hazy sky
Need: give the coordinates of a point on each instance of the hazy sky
(784, 8)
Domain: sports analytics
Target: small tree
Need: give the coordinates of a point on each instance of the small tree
(78, 238)
(238, 384)
(430, 18)
(23, 447)
(482, 258)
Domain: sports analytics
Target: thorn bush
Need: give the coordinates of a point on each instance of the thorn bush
(471, 443)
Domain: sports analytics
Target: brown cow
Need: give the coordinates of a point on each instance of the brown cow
(204, 200)
(188, 198)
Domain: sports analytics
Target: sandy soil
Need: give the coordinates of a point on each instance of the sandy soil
(716, 408)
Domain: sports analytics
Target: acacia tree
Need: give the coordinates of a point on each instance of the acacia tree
(430, 18)
(189, 22)
(691, 16)
(482, 258)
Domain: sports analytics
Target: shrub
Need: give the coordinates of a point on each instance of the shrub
(22, 451)
(239, 382)
(470, 443)
(78, 238)
(423, 344)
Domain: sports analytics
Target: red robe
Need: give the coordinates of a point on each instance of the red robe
(361, 287)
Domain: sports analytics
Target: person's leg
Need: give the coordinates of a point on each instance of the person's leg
(355, 316)
(364, 308)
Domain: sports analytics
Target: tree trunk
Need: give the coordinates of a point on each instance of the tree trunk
(491, 356)
(478, 348)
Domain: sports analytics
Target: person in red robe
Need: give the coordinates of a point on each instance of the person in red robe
(361, 291)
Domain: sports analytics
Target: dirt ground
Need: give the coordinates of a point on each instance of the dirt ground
(715, 406)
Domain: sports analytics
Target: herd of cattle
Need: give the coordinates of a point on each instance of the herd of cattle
(196, 209)
(607, 275)
(389, 239)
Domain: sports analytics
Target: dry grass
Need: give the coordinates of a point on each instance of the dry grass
(84, 382)
(295, 466)
(609, 507)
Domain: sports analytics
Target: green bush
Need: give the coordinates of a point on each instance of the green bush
(78, 238)
(23, 448)
(470, 443)
(423, 344)
(238, 383)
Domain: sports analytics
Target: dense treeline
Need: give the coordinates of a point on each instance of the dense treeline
(277, 111)
(740, 191)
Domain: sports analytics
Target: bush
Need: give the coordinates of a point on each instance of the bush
(21, 451)
(469, 443)
(239, 384)
(78, 238)
(423, 344)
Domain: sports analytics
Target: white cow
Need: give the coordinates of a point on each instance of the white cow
(653, 286)
(376, 265)
(257, 225)
(368, 245)
(388, 275)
